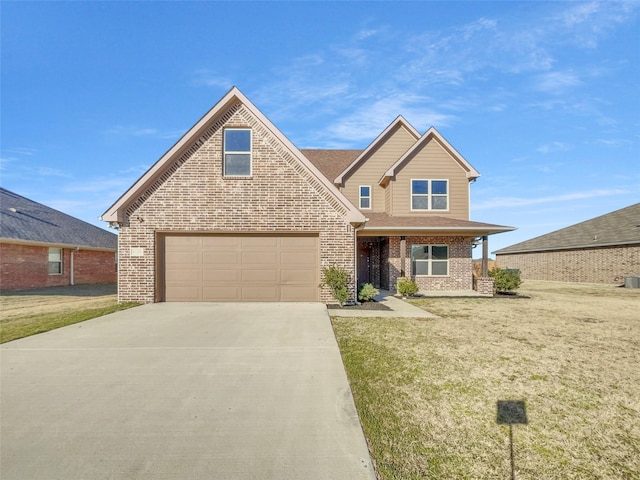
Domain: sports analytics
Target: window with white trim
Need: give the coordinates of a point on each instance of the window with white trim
(430, 260)
(237, 152)
(365, 197)
(429, 194)
(55, 261)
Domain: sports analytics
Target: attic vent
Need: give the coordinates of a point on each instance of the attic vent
(14, 211)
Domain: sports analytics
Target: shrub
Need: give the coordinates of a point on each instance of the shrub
(367, 292)
(406, 287)
(505, 279)
(337, 279)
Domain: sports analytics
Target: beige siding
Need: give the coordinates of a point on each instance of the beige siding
(373, 168)
(434, 163)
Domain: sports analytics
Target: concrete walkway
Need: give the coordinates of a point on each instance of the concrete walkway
(182, 391)
(399, 309)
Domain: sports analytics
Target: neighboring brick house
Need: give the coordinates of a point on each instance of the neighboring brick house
(42, 247)
(605, 249)
(235, 212)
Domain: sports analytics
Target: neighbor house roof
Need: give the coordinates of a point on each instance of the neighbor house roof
(382, 221)
(25, 221)
(429, 135)
(189, 142)
(621, 227)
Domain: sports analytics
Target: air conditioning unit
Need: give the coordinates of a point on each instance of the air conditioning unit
(632, 281)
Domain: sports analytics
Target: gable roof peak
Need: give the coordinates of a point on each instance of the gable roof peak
(399, 121)
(115, 213)
(432, 132)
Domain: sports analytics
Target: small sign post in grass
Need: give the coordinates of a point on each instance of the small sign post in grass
(511, 412)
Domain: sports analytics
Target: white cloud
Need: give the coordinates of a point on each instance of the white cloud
(368, 121)
(51, 172)
(135, 131)
(208, 78)
(553, 147)
(557, 82)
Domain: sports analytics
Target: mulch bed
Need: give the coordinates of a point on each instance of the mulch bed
(362, 306)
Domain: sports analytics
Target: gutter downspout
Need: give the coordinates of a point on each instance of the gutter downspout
(71, 277)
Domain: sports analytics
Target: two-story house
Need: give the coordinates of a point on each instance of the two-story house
(235, 212)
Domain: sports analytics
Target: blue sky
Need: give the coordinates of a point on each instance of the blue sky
(543, 98)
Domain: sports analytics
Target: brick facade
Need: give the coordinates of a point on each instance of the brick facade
(460, 263)
(485, 286)
(591, 265)
(27, 266)
(193, 196)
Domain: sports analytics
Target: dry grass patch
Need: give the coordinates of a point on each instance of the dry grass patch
(427, 390)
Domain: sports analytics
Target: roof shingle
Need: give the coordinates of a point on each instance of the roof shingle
(24, 219)
(621, 227)
(331, 163)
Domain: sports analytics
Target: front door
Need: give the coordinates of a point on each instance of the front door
(364, 263)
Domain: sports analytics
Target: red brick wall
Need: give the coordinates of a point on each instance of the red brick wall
(193, 196)
(26, 266)
(460, 263)
(590, 265)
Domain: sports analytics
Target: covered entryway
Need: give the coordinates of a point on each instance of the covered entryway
(248, 267)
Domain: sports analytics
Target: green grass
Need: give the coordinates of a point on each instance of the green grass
(427, 390)
(26, 325)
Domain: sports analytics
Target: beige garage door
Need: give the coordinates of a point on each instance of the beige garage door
(226, 268)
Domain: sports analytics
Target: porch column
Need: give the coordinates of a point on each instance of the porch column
(403, 255)
(485, 256)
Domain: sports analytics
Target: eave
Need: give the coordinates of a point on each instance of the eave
(74, 246)
(568, 247)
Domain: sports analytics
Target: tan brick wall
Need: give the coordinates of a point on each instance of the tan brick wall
(460, 263)
(590, 265)
(282, 196)
(485, 286)
(27, 266)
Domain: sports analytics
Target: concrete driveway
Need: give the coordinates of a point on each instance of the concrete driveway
(182, 391)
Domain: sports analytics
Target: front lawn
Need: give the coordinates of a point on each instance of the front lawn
(28, 312)
(427, 390)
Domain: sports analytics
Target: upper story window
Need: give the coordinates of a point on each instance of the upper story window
(365, 196)
(429, 194)
(237, 152)
(430, 260)
(55, 261)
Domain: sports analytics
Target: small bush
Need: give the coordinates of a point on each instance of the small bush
(337, 279)
(367, 292)
(505, 279)
(406, 287)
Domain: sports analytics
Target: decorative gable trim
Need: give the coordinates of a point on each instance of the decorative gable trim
(430, 134)
(398, 122)
(212, 121)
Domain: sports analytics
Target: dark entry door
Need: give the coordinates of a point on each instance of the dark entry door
(364, 263)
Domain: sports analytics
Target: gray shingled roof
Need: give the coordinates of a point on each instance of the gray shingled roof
(24, 219)
(621, 227)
